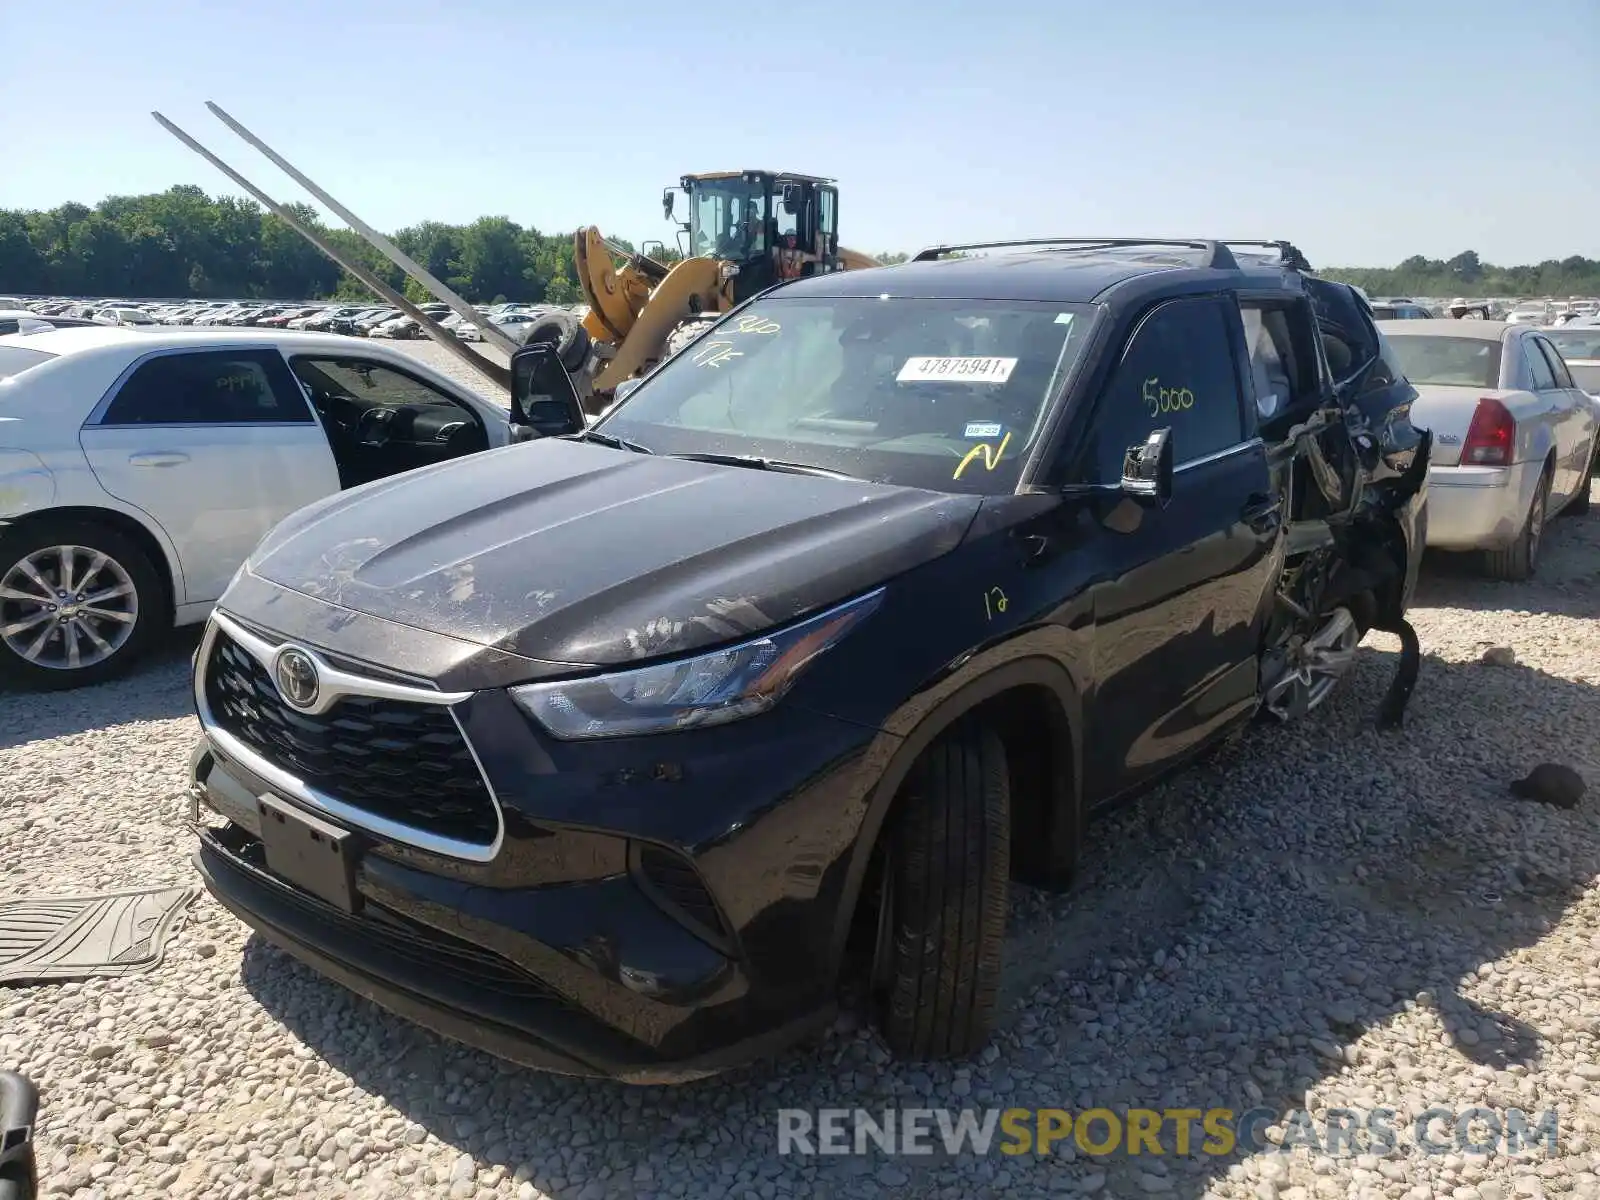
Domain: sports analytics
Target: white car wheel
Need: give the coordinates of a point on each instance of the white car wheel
(77, 604)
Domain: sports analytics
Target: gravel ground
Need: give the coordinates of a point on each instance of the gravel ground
(1318, 917)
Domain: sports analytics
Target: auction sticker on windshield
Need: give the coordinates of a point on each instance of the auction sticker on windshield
(956, 370)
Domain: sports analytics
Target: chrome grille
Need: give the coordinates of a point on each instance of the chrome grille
(402, 761)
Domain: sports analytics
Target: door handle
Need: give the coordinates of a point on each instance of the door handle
(158, 458)
(1261, 513)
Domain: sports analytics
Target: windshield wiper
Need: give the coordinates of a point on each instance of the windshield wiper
(766, 464)
(612, 440)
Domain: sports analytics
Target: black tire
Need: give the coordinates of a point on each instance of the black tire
(567, 335)
(152, 617)
(576, 351)
(947, 873)
(1518, 561)
(686, 331)
(1579, 505)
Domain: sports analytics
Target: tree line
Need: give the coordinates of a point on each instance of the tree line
(184, 243)
(1468, 275)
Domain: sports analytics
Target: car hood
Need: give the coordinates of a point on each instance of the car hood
(571, 552)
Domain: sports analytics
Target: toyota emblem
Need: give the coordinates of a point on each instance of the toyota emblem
(296, 676)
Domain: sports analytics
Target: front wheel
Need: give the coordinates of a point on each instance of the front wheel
(78, 604)
(947, 871)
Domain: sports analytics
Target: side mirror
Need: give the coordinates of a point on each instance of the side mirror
(668, 202)
(1147, 469)
(543, 400)
(791, 198)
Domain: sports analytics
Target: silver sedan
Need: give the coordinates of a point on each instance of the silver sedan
(1514, 436)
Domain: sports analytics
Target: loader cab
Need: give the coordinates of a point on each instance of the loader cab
(767, 225)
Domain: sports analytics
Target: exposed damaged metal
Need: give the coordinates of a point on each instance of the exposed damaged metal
(1347, 470)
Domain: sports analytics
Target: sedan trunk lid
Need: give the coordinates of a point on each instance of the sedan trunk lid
(1447, 410)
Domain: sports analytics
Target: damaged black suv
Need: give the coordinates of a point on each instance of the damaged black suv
(628, 750)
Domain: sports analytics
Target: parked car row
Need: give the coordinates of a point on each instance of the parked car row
(1545, 310)
(353, 320)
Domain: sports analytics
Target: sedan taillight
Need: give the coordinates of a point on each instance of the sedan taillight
(1491, 437)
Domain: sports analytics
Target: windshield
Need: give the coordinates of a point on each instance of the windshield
(729, 219)
(940, 394)
(1583, 342)
(1459, 362)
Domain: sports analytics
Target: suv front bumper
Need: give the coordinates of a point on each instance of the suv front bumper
(458, 989)
(652, 909)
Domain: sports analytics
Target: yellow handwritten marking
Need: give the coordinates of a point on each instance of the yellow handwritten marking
(994, 601)
(1165, 400)
(990, 454)
(714, 354)
(752, 324)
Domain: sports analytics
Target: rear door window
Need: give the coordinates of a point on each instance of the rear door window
(1544, 379)
(1177, 372)
(1558, 368)
(210, 387)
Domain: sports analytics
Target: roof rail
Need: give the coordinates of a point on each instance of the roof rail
(1218, 255)
(1287, 251)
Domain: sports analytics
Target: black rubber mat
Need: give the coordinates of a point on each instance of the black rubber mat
(49, 938)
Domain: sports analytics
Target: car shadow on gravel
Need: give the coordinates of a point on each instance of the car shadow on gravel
(1237, 939)
(156, 689)
(1566, 583)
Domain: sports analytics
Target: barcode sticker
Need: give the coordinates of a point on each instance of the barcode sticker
(956, 370)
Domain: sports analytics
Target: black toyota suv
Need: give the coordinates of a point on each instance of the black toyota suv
(628, 750)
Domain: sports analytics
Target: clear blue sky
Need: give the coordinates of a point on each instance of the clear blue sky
(1362, 130)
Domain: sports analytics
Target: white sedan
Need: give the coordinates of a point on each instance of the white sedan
(1514, 437)
(138, 468)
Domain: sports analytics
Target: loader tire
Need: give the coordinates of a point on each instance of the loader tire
(685, 332)
(566, 333)
(947, 873)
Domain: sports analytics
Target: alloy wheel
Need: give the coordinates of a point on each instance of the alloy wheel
(65, 608)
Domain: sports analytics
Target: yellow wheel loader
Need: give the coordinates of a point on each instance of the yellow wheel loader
(745, 231)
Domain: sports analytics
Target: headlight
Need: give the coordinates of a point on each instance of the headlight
(709, 689)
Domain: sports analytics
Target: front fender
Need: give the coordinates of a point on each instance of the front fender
(1022, 661)
(26, 484)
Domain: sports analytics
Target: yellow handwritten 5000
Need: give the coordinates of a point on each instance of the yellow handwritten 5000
(1166, 400)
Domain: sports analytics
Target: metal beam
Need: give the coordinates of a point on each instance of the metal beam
(498, 375)
(491, 332)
